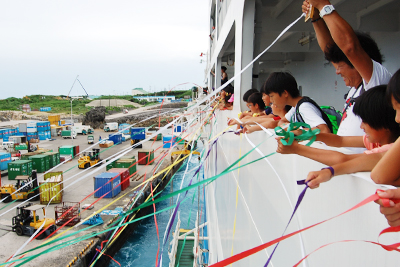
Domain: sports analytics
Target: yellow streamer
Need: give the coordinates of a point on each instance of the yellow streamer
(237, 196)
(116, 237)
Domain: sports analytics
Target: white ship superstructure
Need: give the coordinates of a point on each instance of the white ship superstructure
(252, 205)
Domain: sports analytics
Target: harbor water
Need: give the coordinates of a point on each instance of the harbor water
(141, 248)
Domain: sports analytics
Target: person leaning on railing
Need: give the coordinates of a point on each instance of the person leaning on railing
(384, 166)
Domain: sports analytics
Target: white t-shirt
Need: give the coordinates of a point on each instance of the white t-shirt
(310, 114)
(350, 124)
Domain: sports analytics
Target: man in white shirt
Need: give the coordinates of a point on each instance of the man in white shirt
(355, 56)
(282, 90)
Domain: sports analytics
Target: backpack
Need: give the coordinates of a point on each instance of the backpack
(331, 117)
(334, 116)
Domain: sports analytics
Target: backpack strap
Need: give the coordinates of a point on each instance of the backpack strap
(299, 118)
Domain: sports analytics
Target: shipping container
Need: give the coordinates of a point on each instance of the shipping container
(18, 139)
(146, 156)
(54, 158)
(125, 179)
(110, 165)
(125, 137)
(32, 135)
(23, 128)
(66, 150)
(21, 146)
(41, 163)
(53, 119)
(178, 128)
(5, 158)
(42, 135)
(126, 163)
(122, 126)
(138, 133)
(116, 138)
(180, 141)
(169, 141)
(19, 167)
(107, 184)
(76, 150)
(31, 127)
(51, 187)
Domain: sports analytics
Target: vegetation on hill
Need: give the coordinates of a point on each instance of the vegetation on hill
(58, 104)
(176, 93)
(62, 104)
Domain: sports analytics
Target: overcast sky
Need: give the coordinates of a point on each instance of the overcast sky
(113, 46)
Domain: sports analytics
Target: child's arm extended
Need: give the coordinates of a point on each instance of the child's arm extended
(269, 124)
(252, 120)
(340, 141)
(327, 157)
(387, 171)
(245, 114)
(363, 163)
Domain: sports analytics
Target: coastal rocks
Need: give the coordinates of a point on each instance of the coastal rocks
(95, 117)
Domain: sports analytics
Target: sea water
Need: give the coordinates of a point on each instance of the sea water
(141, 248)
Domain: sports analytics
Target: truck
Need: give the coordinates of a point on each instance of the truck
(67, 134)
(111, 126)
(82, 129)
(90, 139)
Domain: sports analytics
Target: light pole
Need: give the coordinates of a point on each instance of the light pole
(72, 137)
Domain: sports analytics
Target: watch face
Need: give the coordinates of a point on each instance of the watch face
(327, 9)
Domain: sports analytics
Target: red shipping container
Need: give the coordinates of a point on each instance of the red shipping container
(125, 181)
(76, 150)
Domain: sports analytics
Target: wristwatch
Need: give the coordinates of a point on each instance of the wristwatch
(326, 10)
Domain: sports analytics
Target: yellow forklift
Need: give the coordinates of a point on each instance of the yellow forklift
(7, 192)
(26, 222)
(91, 159)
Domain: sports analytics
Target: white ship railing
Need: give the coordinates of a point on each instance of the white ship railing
(264, 208)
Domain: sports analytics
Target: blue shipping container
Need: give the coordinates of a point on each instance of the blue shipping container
(109, 184)
(123, 126)
(5, 158)
(138, 133)
(116, 138)
(168, 141)
(42, 135)
(178, 129)
(32, 136)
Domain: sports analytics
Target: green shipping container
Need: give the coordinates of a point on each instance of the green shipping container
(158, 137)
(180, 141)
(54, 158)
(113, 165)
(66, 150)
(110, 166)
(21, 147)
(30, 154)
(126, 163)
(19, 167)
(41, 163)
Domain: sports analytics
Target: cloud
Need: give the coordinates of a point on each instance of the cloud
(110, 44)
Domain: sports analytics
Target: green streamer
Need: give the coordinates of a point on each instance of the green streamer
(289, 137)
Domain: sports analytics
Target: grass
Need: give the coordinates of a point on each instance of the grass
(58, 104)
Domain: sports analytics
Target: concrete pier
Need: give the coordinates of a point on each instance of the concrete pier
(80, 254)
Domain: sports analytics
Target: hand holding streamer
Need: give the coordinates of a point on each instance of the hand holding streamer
(289, 137)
